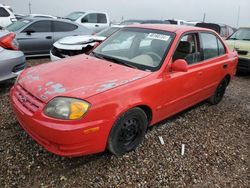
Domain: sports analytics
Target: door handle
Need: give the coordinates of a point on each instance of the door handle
(49, 37)
(96, 25)
(224, 66)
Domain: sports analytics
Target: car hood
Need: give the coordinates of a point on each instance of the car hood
(79, 77)
(240, 45)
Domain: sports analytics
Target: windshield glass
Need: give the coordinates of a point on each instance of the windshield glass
(241, 34)
(15, 26)
(108, 32)
(144, 49)
(74, 16)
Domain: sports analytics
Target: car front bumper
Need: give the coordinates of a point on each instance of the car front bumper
(243, 64)
(12, 63)
(64, 138)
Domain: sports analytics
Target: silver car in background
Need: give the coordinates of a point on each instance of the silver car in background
(37, 35)
(12, 61)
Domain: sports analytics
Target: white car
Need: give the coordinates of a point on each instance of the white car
(177, 22)
(41, 16)
(6, 16)
(95, 21)
(74, 45)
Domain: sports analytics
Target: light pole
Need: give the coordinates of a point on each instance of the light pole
(238, 17)
(29, 7)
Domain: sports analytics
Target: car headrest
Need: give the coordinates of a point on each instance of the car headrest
(184, 47)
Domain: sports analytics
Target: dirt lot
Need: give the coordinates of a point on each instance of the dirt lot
(216, 139)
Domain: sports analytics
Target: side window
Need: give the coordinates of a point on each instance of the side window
(63, 27)
(101, 18)
(3, 12)
(221, 48)
(90, 18)
(212, 46)
(188, 49)
(39, 27)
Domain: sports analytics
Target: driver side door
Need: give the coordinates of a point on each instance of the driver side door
(37, 38)
(181, 89)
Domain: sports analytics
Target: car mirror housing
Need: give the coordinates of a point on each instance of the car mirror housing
(84, 20)
(180, 65)
(29, 32)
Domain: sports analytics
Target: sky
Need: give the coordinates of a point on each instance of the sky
(217, 11)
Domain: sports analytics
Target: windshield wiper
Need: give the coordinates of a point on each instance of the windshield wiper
(97, 55)
(112, 59)
(118, 61)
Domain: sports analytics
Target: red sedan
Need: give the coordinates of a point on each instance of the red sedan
(137, 77)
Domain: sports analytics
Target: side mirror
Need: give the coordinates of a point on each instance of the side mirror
(84, 20)
(180, 65)
(29, 32)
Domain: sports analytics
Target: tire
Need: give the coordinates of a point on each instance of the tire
(128, 132)
(219, 93)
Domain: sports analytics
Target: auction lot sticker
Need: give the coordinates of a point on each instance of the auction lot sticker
(158, 36)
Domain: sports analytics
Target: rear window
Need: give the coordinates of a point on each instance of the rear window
(3, 12)
(64, 27)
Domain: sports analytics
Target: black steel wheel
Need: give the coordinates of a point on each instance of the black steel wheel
(219, 93)
(128, 132)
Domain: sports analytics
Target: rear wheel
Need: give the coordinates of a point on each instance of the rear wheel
(219, 92)
(127, 132)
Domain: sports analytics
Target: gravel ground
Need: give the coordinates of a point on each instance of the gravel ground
(216, 142)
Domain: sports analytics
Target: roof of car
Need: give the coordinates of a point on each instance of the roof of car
(169, 27)
(52, 19)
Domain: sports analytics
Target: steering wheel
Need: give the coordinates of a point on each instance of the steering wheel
(154, 56)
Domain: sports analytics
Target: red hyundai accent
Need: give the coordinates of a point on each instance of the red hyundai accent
(137, 77)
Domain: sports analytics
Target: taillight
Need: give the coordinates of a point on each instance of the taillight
(9, 42)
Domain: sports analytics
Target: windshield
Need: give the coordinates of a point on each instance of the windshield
(74, 16)
(144, 49)
(241, 34)
(15, 26)
(108, 32)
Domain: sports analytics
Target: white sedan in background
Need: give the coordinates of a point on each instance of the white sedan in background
(75, 45)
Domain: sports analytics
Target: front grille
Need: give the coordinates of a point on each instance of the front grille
(242, 52)
(64, 53)
(19, 67)
(28, 101)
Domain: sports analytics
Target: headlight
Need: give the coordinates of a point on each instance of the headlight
(66, 108)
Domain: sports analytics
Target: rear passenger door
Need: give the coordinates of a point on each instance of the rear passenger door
(63, 29)
(37, 38)
(215, 62)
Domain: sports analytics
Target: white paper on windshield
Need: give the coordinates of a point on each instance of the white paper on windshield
(158, 36)
(26, 21)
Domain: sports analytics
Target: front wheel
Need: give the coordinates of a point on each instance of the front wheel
(219, 93)
(127, 132)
